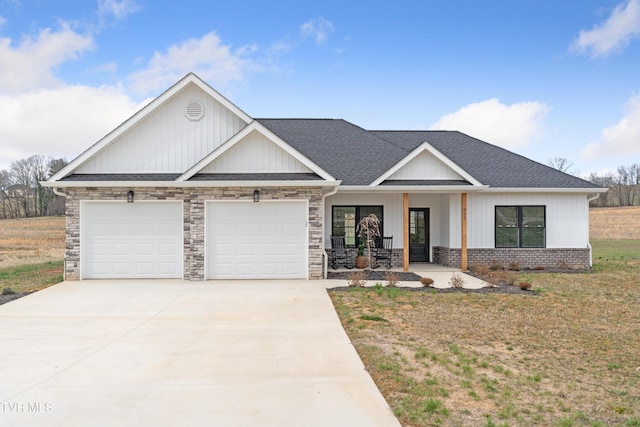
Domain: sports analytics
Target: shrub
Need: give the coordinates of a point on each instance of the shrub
(496, 264)
(456, 281)
(514, 266)
(501, 277)
(539, 267)
(480, 269)
(359, 278)
(525, 286)
(562, 265)
(426, 281)
(391, 278)
(8, 291)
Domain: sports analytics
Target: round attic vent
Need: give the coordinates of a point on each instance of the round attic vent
(194, 110)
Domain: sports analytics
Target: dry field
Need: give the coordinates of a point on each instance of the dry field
(31, 241)
(615, 223)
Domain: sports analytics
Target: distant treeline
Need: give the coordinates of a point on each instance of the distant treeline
(624, 187)
(22, 195)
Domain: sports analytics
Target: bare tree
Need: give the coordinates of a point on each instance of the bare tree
(369, 228)
(562, 164)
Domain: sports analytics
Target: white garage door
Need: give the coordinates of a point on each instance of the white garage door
(265, 240)
(131, 240)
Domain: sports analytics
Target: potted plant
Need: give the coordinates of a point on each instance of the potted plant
(361, 260)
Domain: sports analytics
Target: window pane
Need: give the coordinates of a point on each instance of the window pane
(506, 227)
(533, 237)
(344, 224)
(533, 227)
(364, 211)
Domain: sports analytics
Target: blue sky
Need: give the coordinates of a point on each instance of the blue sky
(541, 78)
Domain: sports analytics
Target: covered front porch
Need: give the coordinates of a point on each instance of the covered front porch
(424, 225)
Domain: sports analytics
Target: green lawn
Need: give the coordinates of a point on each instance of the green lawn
(567, 356)
(32, 277)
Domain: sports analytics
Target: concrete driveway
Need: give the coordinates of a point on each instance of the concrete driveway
(163, 352)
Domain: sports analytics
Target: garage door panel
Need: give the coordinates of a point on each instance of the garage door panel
(122, 249)
(291, 249)
(129, 240)
(144, 249)
(267, 235)
(167, 249)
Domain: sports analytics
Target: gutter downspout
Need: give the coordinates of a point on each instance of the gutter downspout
(589, 200)
(325, 259)
(57, 192)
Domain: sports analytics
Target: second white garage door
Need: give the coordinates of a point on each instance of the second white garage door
(265, 240)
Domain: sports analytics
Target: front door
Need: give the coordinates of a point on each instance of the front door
(418, 234)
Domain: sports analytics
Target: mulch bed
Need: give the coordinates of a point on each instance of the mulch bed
(373, 275)
(379, 276)
(10, 297)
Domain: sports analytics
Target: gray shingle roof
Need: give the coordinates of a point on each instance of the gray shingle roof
(255, 177)
(358, 156)
(122, 177)
(346, 151)
(489, 164)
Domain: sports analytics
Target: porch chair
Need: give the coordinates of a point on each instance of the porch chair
(339, 253)
(383, 251)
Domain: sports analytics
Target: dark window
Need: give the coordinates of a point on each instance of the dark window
(345, 220)
(520, 227)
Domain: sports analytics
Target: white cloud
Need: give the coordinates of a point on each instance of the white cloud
(118, 9)
(59, 122)
(318, 28)
(509, 126)
(207, 57)
(614, 34)
(28, 66)
(623, 138)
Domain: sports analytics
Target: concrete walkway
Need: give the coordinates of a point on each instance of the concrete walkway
(176, 353)
(441, 277)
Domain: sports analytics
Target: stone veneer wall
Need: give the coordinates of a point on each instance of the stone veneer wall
(577, 258)
(194, 200)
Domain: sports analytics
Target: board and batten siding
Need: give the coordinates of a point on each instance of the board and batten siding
(392, 211)
(166, 141)
(425, 166)
(255, 153)
(567, 218)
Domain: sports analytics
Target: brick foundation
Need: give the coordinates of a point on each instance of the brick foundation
(574, 258)
(194, 200)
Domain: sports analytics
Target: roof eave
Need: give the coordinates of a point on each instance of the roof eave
(414, 188)
(185, 184)
(585, 190)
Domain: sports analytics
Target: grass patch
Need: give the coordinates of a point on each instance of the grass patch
(568, 357)
(32, 277)
(373, 318)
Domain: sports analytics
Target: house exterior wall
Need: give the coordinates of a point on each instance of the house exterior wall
(567, 226)
(255, 154)
(167, 141)
(567, 231)
(194, 200)
(526, 258)
(425, 166)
